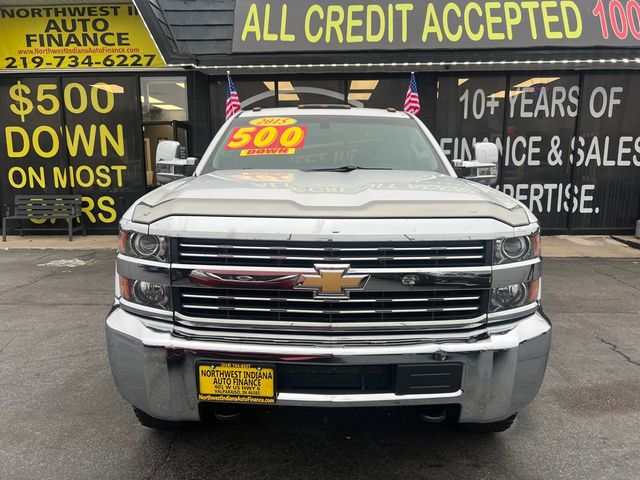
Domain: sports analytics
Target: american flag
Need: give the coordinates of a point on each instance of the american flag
(233, 101)
(412, 100)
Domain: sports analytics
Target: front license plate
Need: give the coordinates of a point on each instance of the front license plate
(236, 383)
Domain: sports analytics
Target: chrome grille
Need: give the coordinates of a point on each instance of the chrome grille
(306, 254)
(297, 310)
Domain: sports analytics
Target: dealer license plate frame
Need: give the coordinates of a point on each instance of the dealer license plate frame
(211, 395)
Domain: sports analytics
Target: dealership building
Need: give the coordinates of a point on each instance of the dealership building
(89, 89)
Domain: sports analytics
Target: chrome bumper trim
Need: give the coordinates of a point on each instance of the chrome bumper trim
(360, 400)
(315, 338)
(154, 369)
(519, 272)
(513, 313)
(371, 327)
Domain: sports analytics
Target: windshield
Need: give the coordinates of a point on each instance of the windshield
(324, 142)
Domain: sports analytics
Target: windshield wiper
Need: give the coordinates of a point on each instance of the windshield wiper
(346, 168)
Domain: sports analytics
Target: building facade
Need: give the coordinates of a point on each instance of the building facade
(90, 88)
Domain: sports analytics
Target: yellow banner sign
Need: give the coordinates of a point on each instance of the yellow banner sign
(75, 36)
(232, 382)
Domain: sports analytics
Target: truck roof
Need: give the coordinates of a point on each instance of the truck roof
(352, 112)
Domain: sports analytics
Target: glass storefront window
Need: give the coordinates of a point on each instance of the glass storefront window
(298, 92)
(470, 109)
(163, 98)
(605, 189)
(377, 92)
(541, 118)
(256, 93)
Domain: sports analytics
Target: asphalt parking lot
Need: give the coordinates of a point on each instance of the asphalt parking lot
(62, 418)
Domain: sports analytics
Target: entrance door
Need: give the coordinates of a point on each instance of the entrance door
(155, 132)
(164, 113)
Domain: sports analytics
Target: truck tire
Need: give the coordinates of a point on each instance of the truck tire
(156, 423)
(493, 427)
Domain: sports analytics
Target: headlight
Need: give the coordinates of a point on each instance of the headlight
(514, 296)
(516, 249)
(145, 293)
(142, 245)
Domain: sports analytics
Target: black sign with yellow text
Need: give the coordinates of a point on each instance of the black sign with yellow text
(75, 36)
(72, 135)
(321, 25)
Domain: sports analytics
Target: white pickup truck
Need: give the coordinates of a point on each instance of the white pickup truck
(329, 257)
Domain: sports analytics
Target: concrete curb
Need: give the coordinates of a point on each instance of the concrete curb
(588, 246)
(633, 242)
(47, 242)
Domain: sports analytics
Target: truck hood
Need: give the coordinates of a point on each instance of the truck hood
(355, 194)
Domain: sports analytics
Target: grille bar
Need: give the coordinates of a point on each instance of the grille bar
(327, 312)
(326, 249)
(313, 300)
(306, 254)
(328, 259)
(298, 310)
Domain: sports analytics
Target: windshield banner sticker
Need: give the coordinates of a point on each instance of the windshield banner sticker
(273, 121)
(267, 140)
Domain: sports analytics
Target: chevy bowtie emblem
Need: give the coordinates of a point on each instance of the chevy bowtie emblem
(333, 281)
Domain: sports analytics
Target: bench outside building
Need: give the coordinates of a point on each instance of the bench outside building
(44, 207)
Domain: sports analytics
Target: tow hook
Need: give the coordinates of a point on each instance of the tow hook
(226, 413)
(433, 414)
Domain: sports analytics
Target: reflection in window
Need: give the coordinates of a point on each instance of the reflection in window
(163, 98)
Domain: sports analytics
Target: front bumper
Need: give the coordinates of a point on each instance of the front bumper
(155, 371)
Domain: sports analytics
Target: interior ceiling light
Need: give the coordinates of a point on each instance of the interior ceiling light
(503, 94)
(150, 99)
(364, 84)
(109, 87)
(180, 84)
(168, 106)
(359, 95)
(286, 92)
(536, 81)
(288, 97)
(462, 81)
(285, 86)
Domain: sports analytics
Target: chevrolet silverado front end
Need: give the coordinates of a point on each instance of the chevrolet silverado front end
(312, 283)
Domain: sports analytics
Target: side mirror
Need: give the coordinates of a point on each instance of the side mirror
(484, 166)
(172, 162)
